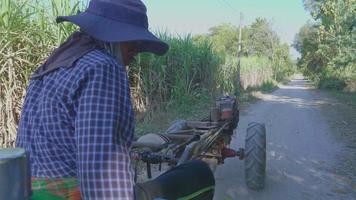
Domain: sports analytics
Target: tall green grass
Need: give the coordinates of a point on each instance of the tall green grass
(190, 69)
(28, 34)
(254, 72)
(181, 74)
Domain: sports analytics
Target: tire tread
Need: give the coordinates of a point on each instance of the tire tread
(255, 156)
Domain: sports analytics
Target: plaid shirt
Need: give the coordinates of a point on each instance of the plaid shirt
(78, 122)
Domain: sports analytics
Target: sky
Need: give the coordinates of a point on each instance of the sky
(197, 16)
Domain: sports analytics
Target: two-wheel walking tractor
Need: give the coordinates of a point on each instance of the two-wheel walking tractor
(207, 140)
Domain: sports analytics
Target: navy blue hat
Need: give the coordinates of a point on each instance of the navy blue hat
(118, 21)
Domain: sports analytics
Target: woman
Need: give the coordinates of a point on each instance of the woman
(77, 121)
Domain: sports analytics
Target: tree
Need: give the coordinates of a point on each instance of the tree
(224, 38)
(327, 45)
(261, 39)
(258, 39)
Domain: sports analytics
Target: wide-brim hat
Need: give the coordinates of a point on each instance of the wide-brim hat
(118, 21)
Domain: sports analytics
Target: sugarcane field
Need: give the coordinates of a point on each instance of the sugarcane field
(177, 100)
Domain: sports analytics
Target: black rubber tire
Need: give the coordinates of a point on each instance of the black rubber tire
(255, 156)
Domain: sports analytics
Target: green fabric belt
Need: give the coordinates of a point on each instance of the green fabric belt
(197, 193)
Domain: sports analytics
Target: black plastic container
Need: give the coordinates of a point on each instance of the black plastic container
(15, 179)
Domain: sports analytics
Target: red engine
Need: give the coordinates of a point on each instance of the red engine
(226, 108)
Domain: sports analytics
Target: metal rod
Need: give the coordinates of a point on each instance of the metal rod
(186, 154)
(177, 137)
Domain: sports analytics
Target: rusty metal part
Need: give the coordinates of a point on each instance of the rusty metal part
(215, 114)
(204, 125)
(207, 139)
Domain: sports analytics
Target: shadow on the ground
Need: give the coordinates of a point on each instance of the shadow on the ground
(292, 172)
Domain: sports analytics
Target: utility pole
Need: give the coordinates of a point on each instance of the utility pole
(239, 51)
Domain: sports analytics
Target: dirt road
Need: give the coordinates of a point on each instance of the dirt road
(301, 150)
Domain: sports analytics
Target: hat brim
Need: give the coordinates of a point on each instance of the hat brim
(108, 30)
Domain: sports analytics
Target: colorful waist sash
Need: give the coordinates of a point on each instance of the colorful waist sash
(55, 189)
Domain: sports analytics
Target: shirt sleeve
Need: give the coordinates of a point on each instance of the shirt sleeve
(103, 128)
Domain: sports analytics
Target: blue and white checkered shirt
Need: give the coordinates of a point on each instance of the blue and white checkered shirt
(78, 122)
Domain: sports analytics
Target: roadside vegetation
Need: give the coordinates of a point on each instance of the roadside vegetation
(328, 58)
(181, 84)
(264, 63)
(27, 34)
(327, 46)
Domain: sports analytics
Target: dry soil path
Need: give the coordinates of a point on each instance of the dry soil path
(301, 150)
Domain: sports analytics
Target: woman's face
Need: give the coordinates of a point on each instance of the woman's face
(128, 50)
